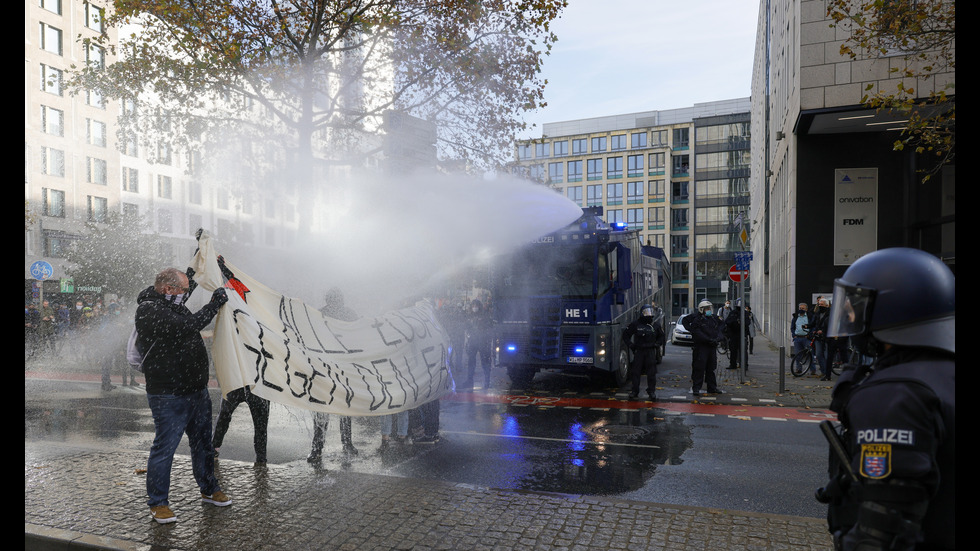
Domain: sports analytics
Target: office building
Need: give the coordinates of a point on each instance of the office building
(679, 176)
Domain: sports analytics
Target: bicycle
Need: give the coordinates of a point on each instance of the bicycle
(804, 359)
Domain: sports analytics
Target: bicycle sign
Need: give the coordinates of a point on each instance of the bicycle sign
(41, 270)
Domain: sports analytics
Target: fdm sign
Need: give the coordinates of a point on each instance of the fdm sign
(855, 214)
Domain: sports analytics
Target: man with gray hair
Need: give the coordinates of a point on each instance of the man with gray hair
(175, 363)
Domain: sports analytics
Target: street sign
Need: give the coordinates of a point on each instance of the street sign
(742, 259)
(41, 270)
(736, 275)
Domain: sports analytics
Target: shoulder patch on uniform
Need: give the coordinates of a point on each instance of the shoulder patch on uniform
(876, 460)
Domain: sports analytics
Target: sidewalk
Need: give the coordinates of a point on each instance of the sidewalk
(83, 499)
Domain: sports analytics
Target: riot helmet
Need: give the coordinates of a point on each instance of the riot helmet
(705, 306)
(647, 311)
(899, 296)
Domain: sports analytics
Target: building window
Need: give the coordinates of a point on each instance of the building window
(51, 39)
(599, 144)
(655, 217)
(657, 161)
(614, 167)
(614, 194)
(617, 143)
(574, 171)
(679, 219)
(53, 6)
(634, 192)
(541, 150)
(194, 222)
(130, 180)
(614, 216)
(165, 221)
(163, 153)
(54, 202)
(523, 151)
(54, 246)
(194, 193)
(594, 167)
(682, 137)
(93, 17)
(52, 162)
(536, 173)
(165, 187)
(634, 165)
(578, 147)
(680, 245)
(94, 99)
(95, 56)
(97, 171)
(681, 166)
(52, 121)
(594, 195)
(130, 211)
(680, 191)
(634, 219)
(658, 138)
(51, 79)
(555, 173)
(656, 190)
(638, 140)
(574, 193)
(95, 132)
(561, 148)
(98, 208)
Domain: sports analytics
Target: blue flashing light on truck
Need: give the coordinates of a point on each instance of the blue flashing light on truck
(562, 302)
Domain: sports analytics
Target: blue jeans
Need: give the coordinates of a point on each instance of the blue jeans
(172, 417)
(821, 356)
(401, 420)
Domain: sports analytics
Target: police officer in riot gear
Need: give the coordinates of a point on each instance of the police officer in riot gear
(644, 337)
(706, 330)
(897, 415)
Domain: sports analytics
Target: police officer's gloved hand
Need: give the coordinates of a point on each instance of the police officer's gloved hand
(219, 297)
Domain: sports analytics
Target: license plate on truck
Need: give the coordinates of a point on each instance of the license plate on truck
(579, 360)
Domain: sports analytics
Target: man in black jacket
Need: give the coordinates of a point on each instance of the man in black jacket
(644, 337)
(176, 369)
(706, 331)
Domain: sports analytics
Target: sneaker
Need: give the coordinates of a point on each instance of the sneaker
(162, 514)
(218, 498)
(632, 397)
(425, 440)
(314, 457)
(651, 396)
(698, 392)
(716, 391)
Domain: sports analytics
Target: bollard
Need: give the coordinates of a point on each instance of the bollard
(782, 369)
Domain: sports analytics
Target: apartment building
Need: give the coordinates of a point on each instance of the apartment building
(827, 185)
(79, 168)
(679, 176)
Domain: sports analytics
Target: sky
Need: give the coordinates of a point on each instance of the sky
(625, 56)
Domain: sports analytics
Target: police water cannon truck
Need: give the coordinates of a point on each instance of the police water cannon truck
(561, 302)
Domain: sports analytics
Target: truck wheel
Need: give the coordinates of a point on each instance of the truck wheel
(520, 376)
(621, 375)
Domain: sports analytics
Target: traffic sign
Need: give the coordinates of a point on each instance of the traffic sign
(736, 275)
(41, 270)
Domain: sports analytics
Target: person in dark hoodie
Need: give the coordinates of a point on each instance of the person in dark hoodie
(644, 337)
(175, 366)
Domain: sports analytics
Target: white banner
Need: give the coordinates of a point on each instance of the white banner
(855, 214)
(289, 353)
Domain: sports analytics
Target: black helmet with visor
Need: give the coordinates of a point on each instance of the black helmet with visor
(900, 296)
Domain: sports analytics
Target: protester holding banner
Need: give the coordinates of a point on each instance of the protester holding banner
(333, 307)
(176, 370)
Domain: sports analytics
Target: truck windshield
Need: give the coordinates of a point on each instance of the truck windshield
(566, 270)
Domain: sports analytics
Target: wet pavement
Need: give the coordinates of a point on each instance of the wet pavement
(82, 498)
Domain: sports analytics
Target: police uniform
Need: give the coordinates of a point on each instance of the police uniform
(899, 429)
(706, 331)
(644, 338)
(893, 484)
